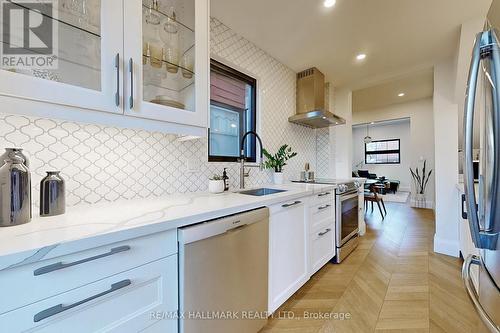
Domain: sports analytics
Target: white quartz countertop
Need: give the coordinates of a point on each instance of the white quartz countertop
(89, 226)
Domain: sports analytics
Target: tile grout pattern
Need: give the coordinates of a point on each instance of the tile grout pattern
(101, 163)
(393, 282)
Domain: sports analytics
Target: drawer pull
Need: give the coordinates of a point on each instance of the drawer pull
(291, 204)
(324, 232)
(323, 207)
(323, 194)
(60, 265)
(61, 308)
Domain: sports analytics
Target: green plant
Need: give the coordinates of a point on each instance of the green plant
(216, 177)
(278, 160)
(421, 180)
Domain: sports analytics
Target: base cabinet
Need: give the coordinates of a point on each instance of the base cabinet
(322, 245)
(288, 260)
(127, 302)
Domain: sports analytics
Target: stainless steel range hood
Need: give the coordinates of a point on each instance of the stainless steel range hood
(312, 110)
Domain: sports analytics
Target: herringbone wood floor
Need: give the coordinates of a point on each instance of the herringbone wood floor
(393, 282)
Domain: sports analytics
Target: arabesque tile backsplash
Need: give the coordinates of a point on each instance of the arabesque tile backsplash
(101, 163)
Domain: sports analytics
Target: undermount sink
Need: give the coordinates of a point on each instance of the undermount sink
(261, 191)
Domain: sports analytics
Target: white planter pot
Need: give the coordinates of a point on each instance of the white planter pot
(278, 177)
(419, 201)
(215, 186)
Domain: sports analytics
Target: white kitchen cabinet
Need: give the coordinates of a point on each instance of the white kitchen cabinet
(321, 229)
(322, 245)
(32, 282)
(167, 59)
(127, 302)
(361, 210)
(90, 52)
(288, 250)
(126, 286)
(104, 66)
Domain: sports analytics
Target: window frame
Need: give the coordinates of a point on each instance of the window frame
(383, 152)
(251, 146)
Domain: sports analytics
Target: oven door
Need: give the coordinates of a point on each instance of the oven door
(346, 216)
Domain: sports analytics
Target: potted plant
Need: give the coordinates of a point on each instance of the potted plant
(216, 184)
(278, 161)
(420, 181)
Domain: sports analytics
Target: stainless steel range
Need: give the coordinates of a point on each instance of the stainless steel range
(346, 219)
(346, 215)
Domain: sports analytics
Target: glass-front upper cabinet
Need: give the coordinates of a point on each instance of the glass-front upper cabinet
(166, 48)
(67, 52)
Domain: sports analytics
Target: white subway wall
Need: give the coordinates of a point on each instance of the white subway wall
(106, 163)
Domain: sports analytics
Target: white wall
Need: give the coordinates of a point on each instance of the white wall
(341, 136)
(421, 132)
(446, 148)
(384, 131)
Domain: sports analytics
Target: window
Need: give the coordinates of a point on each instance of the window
(383, 152)
(232, 113)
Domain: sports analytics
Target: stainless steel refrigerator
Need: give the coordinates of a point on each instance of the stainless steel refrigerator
(483, 203)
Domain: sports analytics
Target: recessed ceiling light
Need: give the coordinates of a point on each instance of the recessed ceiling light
(329, 3)
(361, 56)
(401, 94)
(372, 123)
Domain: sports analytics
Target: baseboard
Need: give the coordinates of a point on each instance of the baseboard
(446, 246)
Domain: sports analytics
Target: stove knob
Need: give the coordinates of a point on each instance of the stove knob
(342, 188)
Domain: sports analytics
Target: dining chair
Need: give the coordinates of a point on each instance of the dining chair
(373, 196)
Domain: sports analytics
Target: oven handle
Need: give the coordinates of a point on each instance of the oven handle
(347, 196)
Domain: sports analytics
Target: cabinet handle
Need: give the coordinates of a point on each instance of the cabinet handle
(291, 204)
(323, 207)
(117, 66)
(131, 70)
(324, 232)
(60, 265)
(323, 194)
(44, 314)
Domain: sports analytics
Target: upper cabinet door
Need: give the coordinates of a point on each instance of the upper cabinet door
(167, 57)
(84, 37)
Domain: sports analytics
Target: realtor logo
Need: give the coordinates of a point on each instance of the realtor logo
(29, 34)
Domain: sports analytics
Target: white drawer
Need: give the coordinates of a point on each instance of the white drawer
(321, 212)
(33, 282)
(126, 302)
(322, 197)
(322, 245)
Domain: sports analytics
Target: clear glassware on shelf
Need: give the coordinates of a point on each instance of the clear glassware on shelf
(152, 16)
(170, 37)
(188, 64)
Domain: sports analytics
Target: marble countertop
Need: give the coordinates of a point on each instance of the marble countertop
(87, 226)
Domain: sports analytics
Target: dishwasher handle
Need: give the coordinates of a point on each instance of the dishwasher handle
(204, 230)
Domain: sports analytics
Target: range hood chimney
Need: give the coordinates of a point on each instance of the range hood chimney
(311, 110)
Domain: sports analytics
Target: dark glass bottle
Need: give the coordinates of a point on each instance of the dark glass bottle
(226, 180)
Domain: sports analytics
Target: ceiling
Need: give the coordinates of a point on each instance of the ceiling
(398, 36)
(415, 86)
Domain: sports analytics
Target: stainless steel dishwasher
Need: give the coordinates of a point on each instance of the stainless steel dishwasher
(223, 274)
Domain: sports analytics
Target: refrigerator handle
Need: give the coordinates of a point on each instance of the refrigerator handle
(472, 293)
(470, 98)
(464, 213)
